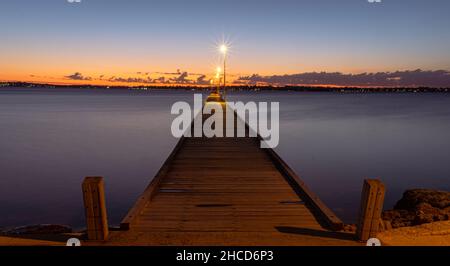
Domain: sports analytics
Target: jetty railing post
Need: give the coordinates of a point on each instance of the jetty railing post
(372, 200)
(95, 208)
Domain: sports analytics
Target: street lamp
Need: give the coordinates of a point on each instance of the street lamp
(224, 49)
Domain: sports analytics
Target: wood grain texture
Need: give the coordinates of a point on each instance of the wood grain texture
(226, 191)
(95, 208)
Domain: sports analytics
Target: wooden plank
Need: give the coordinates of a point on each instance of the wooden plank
(372, 199)
(225, 185)
(95, 208)
(378, 208)
(330, 218)
(150, 190)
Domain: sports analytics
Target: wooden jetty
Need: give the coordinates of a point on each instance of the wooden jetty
(228, 191)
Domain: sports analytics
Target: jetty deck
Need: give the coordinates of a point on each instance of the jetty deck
(228, 191)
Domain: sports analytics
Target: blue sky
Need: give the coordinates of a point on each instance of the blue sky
(48, 37)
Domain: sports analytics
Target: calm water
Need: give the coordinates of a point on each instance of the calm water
(50, 139)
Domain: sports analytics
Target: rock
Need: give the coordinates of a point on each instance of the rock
(419, 206)
(43, 229)
(413, 197)
(425, 213)
(399, 218)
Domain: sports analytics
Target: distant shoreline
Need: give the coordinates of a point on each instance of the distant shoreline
(236, 88)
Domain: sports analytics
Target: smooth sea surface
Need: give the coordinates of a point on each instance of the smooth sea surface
(50, 139)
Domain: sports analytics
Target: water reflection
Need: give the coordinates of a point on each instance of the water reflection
(50, 140)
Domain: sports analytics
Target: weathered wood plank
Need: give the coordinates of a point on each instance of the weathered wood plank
(372, 199)
(95, 208)
(225, 185)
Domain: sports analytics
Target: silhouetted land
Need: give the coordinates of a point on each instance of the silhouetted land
(237, 88)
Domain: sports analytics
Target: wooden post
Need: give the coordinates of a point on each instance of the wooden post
(95, 208)
(372, 199)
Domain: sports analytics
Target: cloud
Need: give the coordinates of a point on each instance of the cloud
(131, 80)
(182, 78)
(160, 80)
(78, 76)
(201, 80)
(416, 78)
(169, 73)
(142, 77)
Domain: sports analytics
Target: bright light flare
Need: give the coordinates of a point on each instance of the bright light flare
(223, 48)
(218, 72)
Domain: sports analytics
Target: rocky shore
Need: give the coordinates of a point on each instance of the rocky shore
(37, 235)
(419, 206)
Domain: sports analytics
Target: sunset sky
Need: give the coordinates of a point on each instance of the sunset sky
(128, 42)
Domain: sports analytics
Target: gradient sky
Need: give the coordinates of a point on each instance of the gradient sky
(46, 40)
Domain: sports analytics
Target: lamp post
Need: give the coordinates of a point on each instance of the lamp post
(211, 84)
(218, 71)
(224, 49)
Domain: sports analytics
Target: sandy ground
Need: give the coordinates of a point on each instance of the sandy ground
(432, 234)
(15, 241)
(300, 238)
(37, 240)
